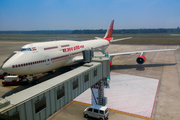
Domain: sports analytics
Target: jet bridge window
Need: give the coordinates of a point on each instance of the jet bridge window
(95, 72)
(75, 84)
(60, 93)
(16, 116)
(25, 49)
(40, 105)
(86, 78)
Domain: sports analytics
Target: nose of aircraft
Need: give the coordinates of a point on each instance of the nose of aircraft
(7, 67)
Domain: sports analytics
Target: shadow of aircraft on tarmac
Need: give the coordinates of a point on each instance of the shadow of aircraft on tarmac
(139, 67)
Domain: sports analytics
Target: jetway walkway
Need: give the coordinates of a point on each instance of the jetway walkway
(42, 100)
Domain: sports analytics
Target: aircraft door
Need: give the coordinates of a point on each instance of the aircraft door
(48, 60)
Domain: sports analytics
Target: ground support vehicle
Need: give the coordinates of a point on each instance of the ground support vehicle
(97, 111)
(15, 80)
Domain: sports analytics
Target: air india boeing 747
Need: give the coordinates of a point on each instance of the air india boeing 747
(42, 57)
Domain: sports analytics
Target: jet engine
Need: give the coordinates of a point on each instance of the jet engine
(141, 59)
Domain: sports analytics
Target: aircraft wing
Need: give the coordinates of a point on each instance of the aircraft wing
(128, 53)
(121, 39)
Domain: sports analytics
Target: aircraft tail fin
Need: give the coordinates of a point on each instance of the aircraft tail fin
(108, 35)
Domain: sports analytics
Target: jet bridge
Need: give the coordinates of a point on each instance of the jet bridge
(43, 100)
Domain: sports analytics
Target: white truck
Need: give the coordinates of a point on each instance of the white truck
(15, 80)
(97, 111)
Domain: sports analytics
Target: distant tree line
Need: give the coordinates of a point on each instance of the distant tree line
(130, 31)
(99, 31)
(38, 32)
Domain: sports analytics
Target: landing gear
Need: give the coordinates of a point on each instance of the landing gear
(34, 80)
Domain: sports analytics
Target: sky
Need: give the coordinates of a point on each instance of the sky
(88, 14)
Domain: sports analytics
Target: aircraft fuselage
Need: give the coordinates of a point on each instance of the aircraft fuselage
(46, 56)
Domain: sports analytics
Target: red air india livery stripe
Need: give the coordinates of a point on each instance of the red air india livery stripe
(49, 48)
(64, 45)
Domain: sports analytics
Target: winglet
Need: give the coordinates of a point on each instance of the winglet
(108, 35)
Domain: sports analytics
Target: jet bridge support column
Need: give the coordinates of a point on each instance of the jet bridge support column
(101, 92)
(97, 96)
(98, 88)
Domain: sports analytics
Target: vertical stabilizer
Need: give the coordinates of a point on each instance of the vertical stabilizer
(108, 35)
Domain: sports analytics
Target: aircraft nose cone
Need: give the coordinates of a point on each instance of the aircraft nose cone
(7, 67)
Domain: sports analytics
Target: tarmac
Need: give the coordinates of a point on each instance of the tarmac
(164, 66)
(127, 93)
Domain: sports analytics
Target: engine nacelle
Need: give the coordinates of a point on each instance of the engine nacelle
(141, 59)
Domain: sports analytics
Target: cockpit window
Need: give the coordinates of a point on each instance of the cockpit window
(25, 49)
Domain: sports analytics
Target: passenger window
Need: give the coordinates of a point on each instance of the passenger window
(90, 109)
(101, 112)
(95, 110)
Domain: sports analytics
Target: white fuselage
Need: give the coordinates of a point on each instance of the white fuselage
(46, 56)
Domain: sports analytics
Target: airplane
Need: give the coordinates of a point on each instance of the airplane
(43, 57)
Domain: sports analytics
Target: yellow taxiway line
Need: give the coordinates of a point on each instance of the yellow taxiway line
(120, 50)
